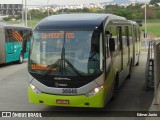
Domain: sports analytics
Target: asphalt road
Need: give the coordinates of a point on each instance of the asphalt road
(131, 95)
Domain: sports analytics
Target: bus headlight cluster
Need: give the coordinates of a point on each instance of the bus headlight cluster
(95, 91)
(34, 89)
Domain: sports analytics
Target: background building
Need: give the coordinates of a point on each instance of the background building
(10, 9)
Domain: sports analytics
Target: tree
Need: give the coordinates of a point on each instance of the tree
(92, 10)
(38, 14)
(154, 2)
(85, 10)
(9, 17)
(151, 14)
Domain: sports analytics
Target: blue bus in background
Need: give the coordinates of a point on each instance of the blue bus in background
(11, 43)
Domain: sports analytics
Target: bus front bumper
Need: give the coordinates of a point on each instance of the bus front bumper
(95, 101)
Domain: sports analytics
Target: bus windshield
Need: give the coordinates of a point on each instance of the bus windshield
(66, 53)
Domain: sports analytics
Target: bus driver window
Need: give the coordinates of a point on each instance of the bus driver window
(94, 57)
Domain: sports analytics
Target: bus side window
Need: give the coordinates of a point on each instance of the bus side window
(13, 37)
(135, 34)
(17, 37)
(114, 36)
(130, 36)
(124, 41)
(108, 35)
(119, 37)
(107, 41)
(8, 36)
(127, 35)
(138, 34)
(26, 37)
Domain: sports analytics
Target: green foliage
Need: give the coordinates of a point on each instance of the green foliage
(133, 12)
(38, 14)
(130, 12)
(16, 17)
(7, 18)
(154, 2)
(86, 10)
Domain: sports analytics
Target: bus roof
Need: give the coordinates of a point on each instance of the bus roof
(75, 21)
(14, 26)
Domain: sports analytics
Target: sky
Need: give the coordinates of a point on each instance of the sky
(59, 2)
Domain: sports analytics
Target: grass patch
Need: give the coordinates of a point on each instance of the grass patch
(153, 27)
(153, 21)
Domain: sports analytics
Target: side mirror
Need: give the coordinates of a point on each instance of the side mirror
(111, 44)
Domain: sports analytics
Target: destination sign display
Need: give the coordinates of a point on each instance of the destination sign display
(41, 67)
(68, 35)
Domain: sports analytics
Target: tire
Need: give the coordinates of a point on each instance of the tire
(20, 61)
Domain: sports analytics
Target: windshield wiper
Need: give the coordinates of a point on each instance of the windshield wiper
(63, 60)
(51, 66)
(73, 68)
(59, 61)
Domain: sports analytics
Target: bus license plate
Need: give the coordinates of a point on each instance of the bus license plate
(62, 101)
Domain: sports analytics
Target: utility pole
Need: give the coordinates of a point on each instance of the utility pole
(26, 12)
(22, 14)
(145, 20)
(48, 6)
(145, 28)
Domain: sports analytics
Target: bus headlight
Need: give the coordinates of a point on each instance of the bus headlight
(34, 89)
(95, 91)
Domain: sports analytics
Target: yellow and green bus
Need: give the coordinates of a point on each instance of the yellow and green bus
(11, 43)
(80, 60)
